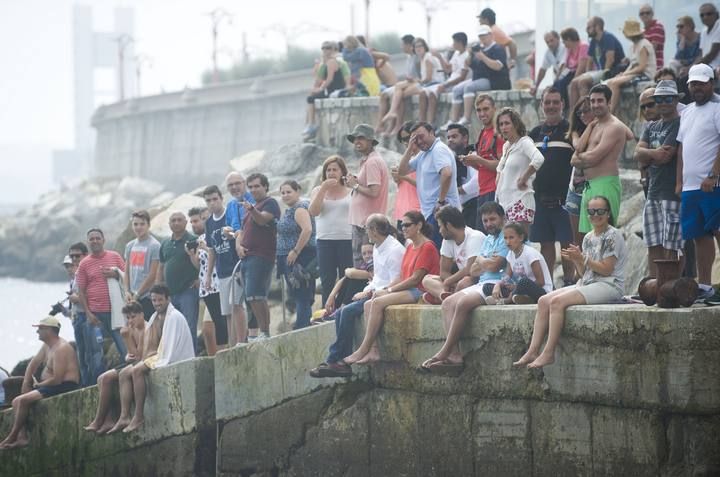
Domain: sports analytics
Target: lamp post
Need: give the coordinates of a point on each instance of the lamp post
(141, 60)
(216, 17)
(123, 41)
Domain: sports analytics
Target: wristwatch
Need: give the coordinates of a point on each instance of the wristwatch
(442, 202)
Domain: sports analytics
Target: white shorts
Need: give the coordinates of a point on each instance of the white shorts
(231, 293)
(478, 288)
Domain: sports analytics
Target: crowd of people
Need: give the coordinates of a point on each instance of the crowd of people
(460, 230)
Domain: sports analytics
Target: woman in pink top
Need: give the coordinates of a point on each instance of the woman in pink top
(406, 198)
(575, 50)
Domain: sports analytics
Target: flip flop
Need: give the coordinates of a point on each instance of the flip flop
(424, 367)
(446, 368)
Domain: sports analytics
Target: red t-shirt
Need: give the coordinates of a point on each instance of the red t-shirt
(89, 278)
(655, 34)
(426, 257)
(489, 146)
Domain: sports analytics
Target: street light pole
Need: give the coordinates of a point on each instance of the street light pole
(123, 41)
(216, 17)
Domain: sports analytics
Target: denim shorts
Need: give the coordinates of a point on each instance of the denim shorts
(257, 273)
(416, 293)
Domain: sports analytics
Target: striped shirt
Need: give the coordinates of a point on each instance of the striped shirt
(655, 34)
(89, 279)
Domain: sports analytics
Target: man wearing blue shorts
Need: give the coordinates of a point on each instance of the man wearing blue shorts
(699, 157)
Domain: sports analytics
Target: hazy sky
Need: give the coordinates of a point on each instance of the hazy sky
(36, 86)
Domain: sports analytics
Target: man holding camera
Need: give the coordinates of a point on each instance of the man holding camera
(179, 274)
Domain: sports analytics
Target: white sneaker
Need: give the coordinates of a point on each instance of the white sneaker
(446, 125)
(463, 121)
(252, 339)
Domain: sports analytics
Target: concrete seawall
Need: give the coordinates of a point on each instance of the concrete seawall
(634, 391)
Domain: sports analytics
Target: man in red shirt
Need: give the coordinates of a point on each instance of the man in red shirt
(92, 278)
(487, 152)
(654, 32)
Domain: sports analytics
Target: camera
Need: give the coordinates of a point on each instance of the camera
(475, 47)
(57, 308)
(192, 244)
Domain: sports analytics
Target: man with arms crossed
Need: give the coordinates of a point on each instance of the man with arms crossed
(61, 375)
(597, 155)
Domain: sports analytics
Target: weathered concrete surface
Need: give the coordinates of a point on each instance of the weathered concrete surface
(178, 437)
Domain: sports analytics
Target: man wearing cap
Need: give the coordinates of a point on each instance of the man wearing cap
(487, 17)
(60, 375)
(436, 174)
(657, 153)
(488, 63)
(369, 186)
(699, 160)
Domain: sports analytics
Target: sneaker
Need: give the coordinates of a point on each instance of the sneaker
(463, 121)
(704, 293)
(446, 125)
(522, 300)
(714, 299)
(252, 339)
(490, 300)
(430, 299)
(263, 336)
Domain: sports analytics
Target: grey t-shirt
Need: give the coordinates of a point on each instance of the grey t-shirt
(598, 247)
(661, 184)
(139, 256)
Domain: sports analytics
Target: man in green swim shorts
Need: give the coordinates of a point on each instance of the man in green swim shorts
(597, 154)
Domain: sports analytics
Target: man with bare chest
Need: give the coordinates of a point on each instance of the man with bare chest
(597, 155)
(61, 375)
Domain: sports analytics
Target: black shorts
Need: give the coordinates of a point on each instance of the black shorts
(64, 387)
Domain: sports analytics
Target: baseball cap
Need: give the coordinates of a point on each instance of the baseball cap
(701, 72)
(67, 260)
(49, 321)
(666, 88)
(484, 30)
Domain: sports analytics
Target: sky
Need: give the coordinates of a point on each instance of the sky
(36, 87)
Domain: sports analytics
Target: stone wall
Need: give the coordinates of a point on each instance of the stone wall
(634, 391)
(337, 117)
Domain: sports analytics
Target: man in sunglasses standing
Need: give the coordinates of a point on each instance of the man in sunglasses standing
(552, 221)
(657, 152)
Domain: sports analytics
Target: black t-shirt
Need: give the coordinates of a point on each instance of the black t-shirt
(498, 79)
(662, 178)
(551, 181)
(225, 255)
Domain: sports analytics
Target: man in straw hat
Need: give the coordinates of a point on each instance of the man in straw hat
(60, 375)
(369, 186)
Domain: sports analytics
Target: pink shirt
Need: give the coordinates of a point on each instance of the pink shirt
(406, 198)
(373, 170)
(89, 278)
(573, 57)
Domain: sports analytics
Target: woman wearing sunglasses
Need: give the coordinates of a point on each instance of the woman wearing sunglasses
(601, 264)
(421, 258)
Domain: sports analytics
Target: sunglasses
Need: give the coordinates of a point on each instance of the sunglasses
(664, 99)
(406, 225)
(643, 107)
(404, 139)
(679, 27)
(645, 13)
(598, 212)
(707, 14)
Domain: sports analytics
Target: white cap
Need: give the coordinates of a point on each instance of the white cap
(67, 260)
(701, 72)
(484, 30)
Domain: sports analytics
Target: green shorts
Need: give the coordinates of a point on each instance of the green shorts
(607, 186)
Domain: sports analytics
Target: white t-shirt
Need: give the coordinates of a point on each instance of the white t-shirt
(522, 266)
(461, 253)
(700, 137)
(457, 64)
(437, 75)
(552, 61)
(707, 39)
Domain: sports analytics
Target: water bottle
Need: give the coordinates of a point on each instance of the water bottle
(98, 335)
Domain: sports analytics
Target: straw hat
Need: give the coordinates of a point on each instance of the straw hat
(632, 28)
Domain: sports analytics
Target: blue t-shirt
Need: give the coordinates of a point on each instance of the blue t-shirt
(225, 255)
(428, 164)
(358, 58)
(597, 50)
(493, 245)
(235, 213)
(498, 79)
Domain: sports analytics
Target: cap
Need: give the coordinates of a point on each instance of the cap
(484, 30)
(67, 260)
(666, 88)
(49, 321)
(701, 72)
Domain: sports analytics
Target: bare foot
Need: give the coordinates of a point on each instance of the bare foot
(4, 444)
(526, 359)
(372, 357)
(105, 428)
(19, 442)
(354, 358)
(134, 425)
(92, 427)
(120, 425)
(542, 360)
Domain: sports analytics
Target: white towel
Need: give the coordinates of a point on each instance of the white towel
(176, 341)
(117, 301)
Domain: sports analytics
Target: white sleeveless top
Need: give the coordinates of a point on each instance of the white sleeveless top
(333, 223)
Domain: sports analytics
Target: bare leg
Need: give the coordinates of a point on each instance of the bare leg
(138, 377)
(615, 84)
(382, 111)
(126, 396)
(208, 332)
(433, 285)
(558, 304)
(397, 98)
(105, 385)
(240, 324)
(539, 328)
(262, 314)
(432, 108)
(468, 102)
(465, 303)
(374, 312)
(705, 254)
(455, 112)
(21, 405)
(107, 424)
(567, 266)
(547, 250)
(423, 105)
